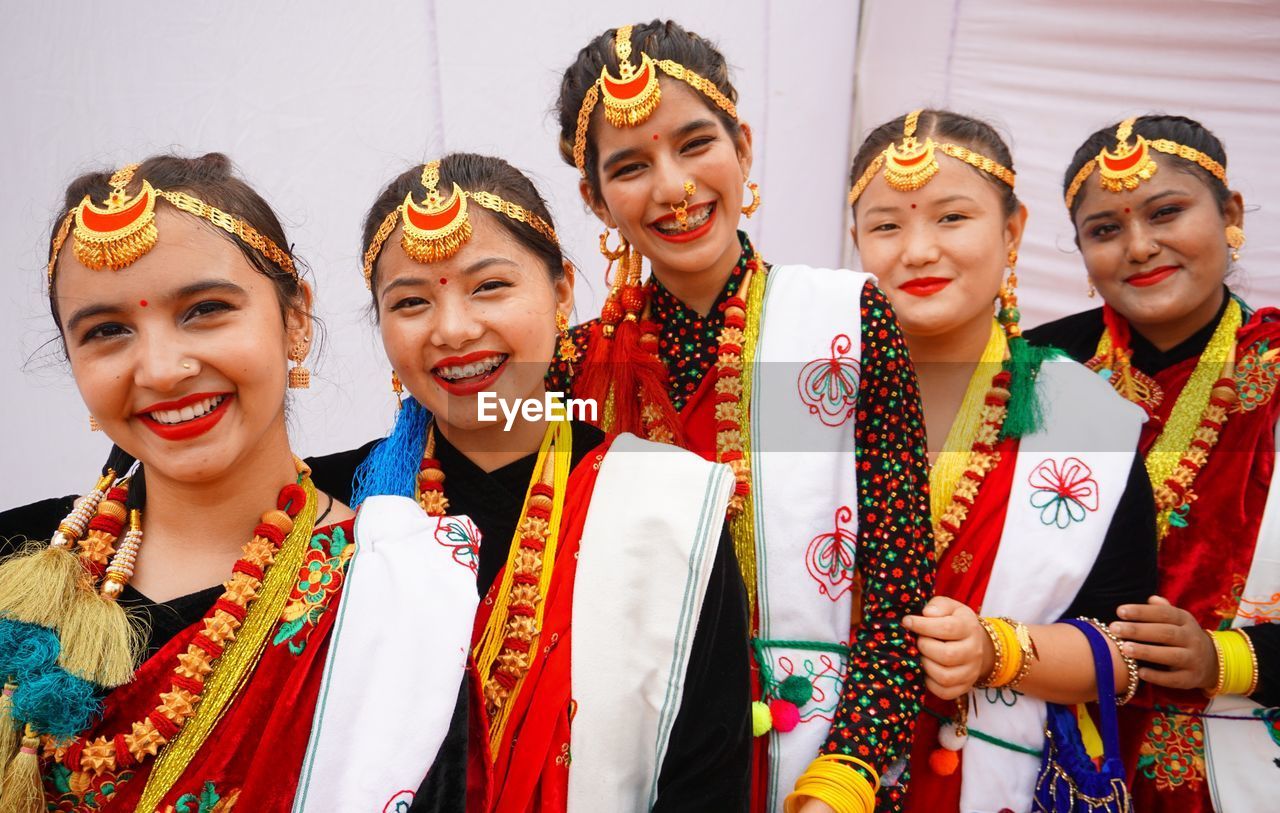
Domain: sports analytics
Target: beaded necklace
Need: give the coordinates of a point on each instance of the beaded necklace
(1195, 422)
(212, 669)
(735, 353)
(510, 638)
(983, 457)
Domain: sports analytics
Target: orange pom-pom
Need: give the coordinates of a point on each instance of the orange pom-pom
(944, 762)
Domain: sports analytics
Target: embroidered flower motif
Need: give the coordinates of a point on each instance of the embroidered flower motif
(829, 386)
(825, 671)
(1064, 493)
(400, 803)
(1173, 752)
(209, 801)
(1256, 375)
(461, 536)
(831, 556)
(321, 575)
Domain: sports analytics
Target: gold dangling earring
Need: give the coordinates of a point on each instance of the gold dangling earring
(566, 350)
(299, 376)
(1009, 316)
(612, 254)
(94, 426)
(1092, 290)
(751, 207)
(1235, 240)
(398, 389)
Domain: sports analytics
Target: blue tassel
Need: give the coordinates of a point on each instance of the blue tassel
(26, 650)
(392, 465)
(56, 703)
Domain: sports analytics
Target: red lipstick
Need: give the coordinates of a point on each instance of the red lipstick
(469, 386)
(924, 286)
(187, 429)
(1146, 278)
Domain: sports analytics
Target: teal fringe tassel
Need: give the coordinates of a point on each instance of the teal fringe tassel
(1026, 413)
(26, 650)
(392, 465)
(56, 703)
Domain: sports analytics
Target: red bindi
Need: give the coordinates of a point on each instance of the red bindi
(142, 303)
(913, 206)
(655, 136)
(444, 281)
(1126, 210)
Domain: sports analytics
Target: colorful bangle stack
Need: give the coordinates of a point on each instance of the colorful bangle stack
(835, 780)
(1237, 663)
(1131, 688)
(1015, 652)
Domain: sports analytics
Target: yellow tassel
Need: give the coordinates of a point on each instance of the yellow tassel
(8, 725)
(38, 586)
(21, 790)
(98, 642)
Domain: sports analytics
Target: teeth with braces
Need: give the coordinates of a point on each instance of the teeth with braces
(695, 218)
(475, 368)
(187, 413)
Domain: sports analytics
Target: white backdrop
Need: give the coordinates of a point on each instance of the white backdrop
(321, 102)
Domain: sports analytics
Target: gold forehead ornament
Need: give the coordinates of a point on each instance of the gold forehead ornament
(123, 229)
(631, 97)
(437, 228)
(1128, 165)
(911, 163)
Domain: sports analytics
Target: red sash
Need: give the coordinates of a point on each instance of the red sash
(530, 769)
(963, 573)
(1203, 568)
(252, 759)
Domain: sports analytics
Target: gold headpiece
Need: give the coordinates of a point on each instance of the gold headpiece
(633, 95)
(437, 228)
(124, 228)
(1130, 164)
(910, 164)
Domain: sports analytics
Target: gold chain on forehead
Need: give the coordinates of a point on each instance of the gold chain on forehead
(438, 227)
(632, 96)
(1128, 165)
(910, 164)
(123, 229)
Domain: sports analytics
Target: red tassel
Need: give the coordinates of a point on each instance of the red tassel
(619, 366)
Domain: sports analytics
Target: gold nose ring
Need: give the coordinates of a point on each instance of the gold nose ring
(681, 209)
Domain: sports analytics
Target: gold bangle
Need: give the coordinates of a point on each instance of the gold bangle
(1010, 657)
(1253, 662)
(1222, 666)
(1130, 664)
(997, 664)
(1027, 648)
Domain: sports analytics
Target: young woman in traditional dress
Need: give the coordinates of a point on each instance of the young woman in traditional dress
(1159, 230)
(609, 657)
(796, 377)
(1039, 503)
(179, 306)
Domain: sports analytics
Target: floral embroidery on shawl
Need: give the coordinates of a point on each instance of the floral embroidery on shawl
(68, 790)
(460, 535)
(322, 574)
(1173, 752)
(1064, 493)
(209, 801)
(829, 386)
(1256, 375)
(831, 558)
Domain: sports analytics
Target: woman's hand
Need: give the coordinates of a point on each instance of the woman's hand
(954, 648)
(812, 805)
(1159, 633)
